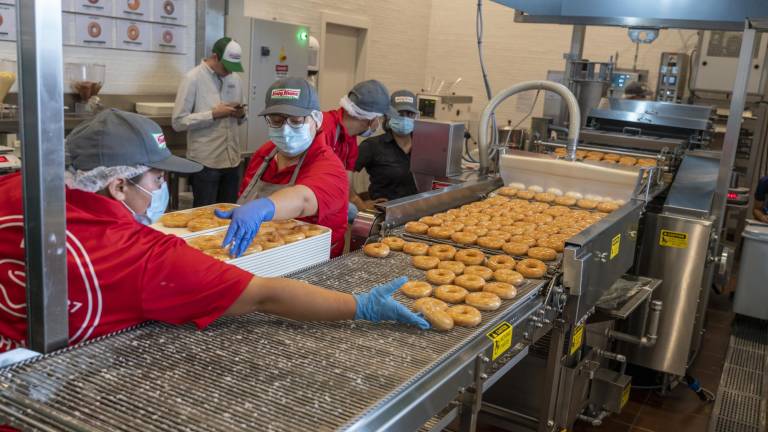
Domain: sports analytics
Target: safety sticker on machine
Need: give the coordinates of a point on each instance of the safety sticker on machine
(625, 394)
(673, 239)
(615, 245)
(501, 336)
(577, 339)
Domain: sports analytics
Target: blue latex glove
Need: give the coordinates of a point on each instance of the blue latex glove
(246, 221)
(378, 305)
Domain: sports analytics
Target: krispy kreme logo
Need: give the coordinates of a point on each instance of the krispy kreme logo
(403, 99)
(285, 93)
(234, 56)
(159, 139)
(85, 297)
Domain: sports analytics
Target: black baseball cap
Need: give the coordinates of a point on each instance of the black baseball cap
(371, 96)
(291, 96)
(114, 138)
(404, 100)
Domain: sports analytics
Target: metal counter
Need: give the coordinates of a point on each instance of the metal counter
(261, 372)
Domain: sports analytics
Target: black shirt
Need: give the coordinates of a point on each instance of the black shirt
(388, 167)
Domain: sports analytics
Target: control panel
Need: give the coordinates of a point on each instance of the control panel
(673, 76)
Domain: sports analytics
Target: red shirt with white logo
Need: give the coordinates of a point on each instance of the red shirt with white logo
(120, 273)
(323, 174)
(343, 144)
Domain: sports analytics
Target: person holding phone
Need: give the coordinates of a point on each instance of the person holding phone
(210, 108)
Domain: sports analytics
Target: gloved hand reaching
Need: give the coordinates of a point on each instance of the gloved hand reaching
(378, 305)
(246, 221)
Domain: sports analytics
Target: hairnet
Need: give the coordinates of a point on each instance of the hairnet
(98, 178)
(356, 111)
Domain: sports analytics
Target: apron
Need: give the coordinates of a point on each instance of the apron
(258, 188)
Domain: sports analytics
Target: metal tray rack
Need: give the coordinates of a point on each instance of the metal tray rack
(259, 372)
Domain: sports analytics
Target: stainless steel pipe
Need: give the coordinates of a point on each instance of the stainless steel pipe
(652, 330)
(574, 125)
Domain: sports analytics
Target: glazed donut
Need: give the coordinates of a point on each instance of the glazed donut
(561, 151)
(425, 303)
(504, 290)
(470, 256)
(517, 185)
(415, 248)
(542, 253)
(416, 228)
(539, 219)
(202, 224)
(439, 232)
(586, 204)
(482, 271)
(484, 301)
(555, 191)
(607, 207)
(490, 242)
(219, 253)
(450, 293)
(531, 268)
(593, 197)
(465, 316)
(296, 236)
(464, 237)
(316, 231)
(470, 282)
(253, 248)
(515, 249)
(538, 235)
(574, 194)
(416, 289)
(205, 242)
(443, 216)
(288, 224)
(595, 155)
(565, 201)
(552, 243)
(581, 153)
(442, 252)
(507, 191)
(439, 276)
(646, 162)
(526, 194)
(456, 267)
(627, 161)
(394, 243)
(535, 188)
(515, 230)
(545, 197)
(548, 229)
(270, 241)
(558, 210)
(611, 157)
(376, 250)
(501, 261)
(508, 276)
(423, 262)
(503, 235)
(439, 319)
(431, 221)
(453, 225)
(524, 239)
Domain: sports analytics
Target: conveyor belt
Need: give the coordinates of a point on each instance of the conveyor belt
(248, 373)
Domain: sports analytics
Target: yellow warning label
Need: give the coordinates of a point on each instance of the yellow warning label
(577, 338)
(615, 245)
(625, 395)
(501, 336)
(673, 239)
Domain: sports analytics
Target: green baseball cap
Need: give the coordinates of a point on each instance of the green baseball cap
(229, 53)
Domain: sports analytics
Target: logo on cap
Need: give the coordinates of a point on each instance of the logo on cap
(403, 99)
(285, 93)
(159, 139)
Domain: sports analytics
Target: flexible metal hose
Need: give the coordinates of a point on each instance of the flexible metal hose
(570, 101)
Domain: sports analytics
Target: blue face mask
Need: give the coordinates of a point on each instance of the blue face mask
(401, 125)
(290, 141)
(157, 205)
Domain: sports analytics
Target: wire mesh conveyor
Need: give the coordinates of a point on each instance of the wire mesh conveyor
(255, 372)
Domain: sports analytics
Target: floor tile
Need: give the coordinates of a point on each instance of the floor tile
(659, 420)
(609, 425)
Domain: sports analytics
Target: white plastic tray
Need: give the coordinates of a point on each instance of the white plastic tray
(184, 232)
(283, 259)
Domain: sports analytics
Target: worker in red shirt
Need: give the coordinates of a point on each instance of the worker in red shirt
(361, 114)
(121, 272)
(294, 175)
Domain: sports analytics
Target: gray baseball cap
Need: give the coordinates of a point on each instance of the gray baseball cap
(371, 96)
(291, 96)
(404, 100)
(114, 138)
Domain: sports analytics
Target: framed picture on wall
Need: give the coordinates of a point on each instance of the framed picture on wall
(133, 9)
(95, 7)
(7, 23)
(133, 35)
(168, 39)
(169, 11)
(94, 31)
